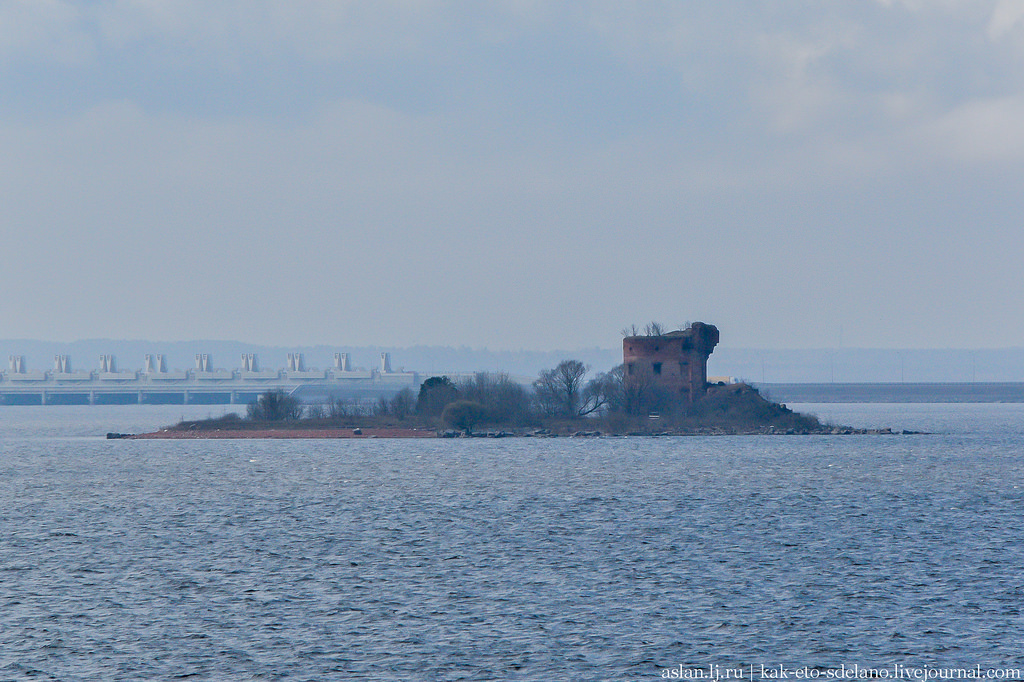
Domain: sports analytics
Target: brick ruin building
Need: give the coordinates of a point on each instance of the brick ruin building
(676, 362)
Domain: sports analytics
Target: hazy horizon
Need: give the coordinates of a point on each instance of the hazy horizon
(514, 174)
(757, 365)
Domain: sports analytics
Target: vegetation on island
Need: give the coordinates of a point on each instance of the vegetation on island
(561, 401)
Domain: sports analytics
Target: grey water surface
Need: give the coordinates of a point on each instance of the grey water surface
(510, 559)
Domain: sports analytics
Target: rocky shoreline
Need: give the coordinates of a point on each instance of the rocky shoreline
(260, 433)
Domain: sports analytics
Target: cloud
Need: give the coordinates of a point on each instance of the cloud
(47, 31)
(410, 157)
(985, 130)
(226, 35)
(314, 29)
(1006, 17)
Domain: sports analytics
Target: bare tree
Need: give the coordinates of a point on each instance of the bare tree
(558, 389)
(653, 328)
(638, 389)
(402, 403)
(505, 400)
(601, 393)
(631, 330)
(274, 406)
(342, 407)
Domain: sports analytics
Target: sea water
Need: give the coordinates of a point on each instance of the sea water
(509, 559)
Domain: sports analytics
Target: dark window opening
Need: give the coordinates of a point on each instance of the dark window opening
(657, 368)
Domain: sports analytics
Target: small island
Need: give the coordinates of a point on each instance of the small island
(661, 388)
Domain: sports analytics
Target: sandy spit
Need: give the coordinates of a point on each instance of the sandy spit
(286, 433)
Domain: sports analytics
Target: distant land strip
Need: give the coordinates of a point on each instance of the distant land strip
(952, 392)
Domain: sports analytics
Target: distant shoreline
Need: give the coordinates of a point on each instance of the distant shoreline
(950, 392)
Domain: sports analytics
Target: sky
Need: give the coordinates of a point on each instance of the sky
(513, 174)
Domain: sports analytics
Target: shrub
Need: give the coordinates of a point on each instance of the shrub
(463, 415)
(436, 393)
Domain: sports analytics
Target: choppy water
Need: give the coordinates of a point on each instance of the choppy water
(513, 559)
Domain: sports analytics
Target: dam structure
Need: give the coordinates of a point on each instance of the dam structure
(204, 384)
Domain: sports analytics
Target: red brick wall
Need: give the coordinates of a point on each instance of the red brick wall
(678, 360)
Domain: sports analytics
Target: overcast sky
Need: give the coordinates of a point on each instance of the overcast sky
(513, 174)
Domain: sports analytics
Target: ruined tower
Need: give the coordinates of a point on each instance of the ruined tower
(676, 362)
